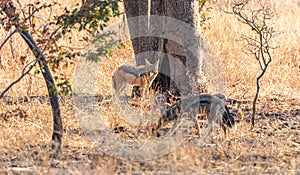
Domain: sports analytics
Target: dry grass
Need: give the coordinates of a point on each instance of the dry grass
(272, 147)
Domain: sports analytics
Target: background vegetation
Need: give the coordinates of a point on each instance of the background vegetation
(271, 147)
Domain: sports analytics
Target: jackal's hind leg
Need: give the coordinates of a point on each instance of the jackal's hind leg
(224, 129)
(135, 92)
(197, 127)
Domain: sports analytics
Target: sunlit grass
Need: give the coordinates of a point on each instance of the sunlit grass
(271, 147)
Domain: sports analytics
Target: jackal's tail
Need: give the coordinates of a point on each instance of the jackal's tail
(228, 119)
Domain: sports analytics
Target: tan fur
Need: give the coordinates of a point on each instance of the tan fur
(141, 76)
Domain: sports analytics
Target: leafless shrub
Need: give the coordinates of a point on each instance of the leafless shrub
(259, 42)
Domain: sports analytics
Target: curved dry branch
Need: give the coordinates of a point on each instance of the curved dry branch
(57, 126)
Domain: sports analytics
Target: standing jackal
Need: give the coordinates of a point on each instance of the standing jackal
(141, 76)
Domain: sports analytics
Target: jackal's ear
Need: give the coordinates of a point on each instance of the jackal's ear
(147, 63)
(153, 67)
(156, 62)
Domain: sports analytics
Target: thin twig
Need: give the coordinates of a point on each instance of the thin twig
(21, 8)
(7, 38)
(12, 49)
(17, 80)
(50, 38)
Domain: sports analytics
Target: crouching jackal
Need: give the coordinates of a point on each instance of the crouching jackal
(213, 107)
(141, 76)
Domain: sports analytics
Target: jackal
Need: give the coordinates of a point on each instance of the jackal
(141, 76)
(213, 107)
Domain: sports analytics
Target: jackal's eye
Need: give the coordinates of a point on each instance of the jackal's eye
(151, 73)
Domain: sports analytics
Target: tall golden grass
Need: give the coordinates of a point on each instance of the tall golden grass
(272, 147)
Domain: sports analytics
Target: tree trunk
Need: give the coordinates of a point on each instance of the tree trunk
(177, 64)
(52, 92)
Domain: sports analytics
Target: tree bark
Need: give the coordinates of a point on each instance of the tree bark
(176, 62)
